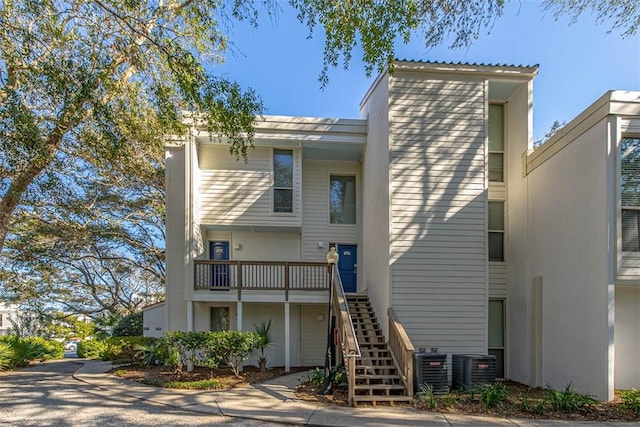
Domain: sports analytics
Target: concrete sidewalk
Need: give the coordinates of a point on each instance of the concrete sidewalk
(274, 401)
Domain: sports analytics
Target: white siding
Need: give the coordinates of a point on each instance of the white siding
(153, 321)
(438, 224)
(313, 335)
(315, 208)
(235, 193)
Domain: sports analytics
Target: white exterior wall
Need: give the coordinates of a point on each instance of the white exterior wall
(375, 270)
(438, 210)
(153, 321)
(176, 239)
(519, 128)
(237, 194)
(9, 313)
(569, 250)
(315, 208)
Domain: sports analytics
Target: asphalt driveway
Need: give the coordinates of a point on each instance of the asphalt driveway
(47, 395)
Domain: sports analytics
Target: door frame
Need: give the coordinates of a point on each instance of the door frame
(355, 245)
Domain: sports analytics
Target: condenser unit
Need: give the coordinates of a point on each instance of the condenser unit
(430, 369)
(469, 370)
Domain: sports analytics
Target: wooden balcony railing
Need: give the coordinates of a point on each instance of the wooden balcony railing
(261, 275)
(401, 349)
(348, 342)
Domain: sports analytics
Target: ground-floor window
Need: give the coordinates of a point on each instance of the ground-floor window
(219, 319)
(496, 334)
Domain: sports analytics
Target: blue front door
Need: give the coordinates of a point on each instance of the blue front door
(219, 251)
(347, 266)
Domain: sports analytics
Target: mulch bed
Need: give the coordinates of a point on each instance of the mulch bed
(466, 404)
(520, 396)
(160, 375)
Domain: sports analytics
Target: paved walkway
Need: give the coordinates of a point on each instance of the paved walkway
(274, 401)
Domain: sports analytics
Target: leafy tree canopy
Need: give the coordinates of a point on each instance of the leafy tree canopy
(624, 14)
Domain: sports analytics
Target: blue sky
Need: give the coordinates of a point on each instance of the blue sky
(578, 63)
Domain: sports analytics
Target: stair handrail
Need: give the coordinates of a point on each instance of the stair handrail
(347, 333)
(402, 349)
(344, 323)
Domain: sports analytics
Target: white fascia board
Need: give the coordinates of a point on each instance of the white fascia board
(620, 103)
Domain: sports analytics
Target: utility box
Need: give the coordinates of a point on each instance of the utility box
(430, 369)
(470, 370)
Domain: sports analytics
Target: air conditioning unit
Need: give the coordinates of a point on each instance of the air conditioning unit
(430, 369)
(469, 370)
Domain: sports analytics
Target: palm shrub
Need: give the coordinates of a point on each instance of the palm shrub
(124, 348)
(265, 340)
(158, 352)
(6, 355)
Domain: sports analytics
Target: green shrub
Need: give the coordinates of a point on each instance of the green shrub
(316, 377)
(6, 355)
(20, 351)
(233, 347)
(129, 326)
(568, 400)
(158, 352)
(210, 349)
(125, 348)
(492, 395)
(92, 349)
(425, 395)
(631, 399)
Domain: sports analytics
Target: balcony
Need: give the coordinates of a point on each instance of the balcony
(262, 277)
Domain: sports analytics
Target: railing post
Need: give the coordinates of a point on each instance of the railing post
(351, 379)
(286, 281)
(239, 267)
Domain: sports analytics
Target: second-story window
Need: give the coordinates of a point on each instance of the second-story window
(496, 143)
(342, 199)
(283, 181)
(496, 231)
(630, 193)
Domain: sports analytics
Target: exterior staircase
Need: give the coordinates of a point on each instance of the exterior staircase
(376, 373)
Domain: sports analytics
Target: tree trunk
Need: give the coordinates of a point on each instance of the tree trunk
(22, 181)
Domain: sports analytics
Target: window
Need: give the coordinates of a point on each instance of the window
(342, 199)
(283, 181)
(496, 334)
(219, 319)
(0, 320)
(496, 143)
(496, 231)
(630, 193)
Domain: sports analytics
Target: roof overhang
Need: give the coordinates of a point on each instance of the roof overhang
(319, 138)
